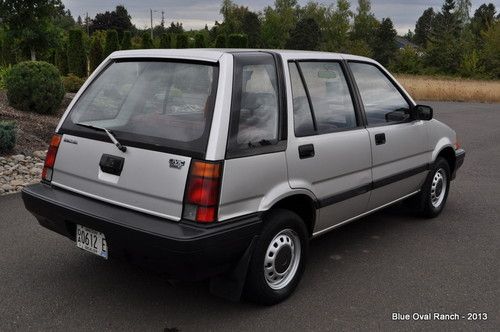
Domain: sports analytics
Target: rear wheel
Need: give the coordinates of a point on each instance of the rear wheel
(434, 193)
(279, 258)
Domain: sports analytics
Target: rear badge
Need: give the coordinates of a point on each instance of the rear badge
(176, 163)
(70, 141)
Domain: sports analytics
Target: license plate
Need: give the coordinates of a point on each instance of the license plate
(92, 241)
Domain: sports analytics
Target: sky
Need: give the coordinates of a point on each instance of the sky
(194, 14)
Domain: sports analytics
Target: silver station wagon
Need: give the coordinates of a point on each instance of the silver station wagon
(223, 164)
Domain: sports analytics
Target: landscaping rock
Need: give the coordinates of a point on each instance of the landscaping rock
(40, 154)
(18, 171)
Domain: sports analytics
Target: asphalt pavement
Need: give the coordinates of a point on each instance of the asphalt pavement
(357, 278)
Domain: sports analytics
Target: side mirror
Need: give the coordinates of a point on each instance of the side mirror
(422, 112)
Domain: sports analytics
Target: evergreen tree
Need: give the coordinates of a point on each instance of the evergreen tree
(199, 41)
(61, 59)
(423, 27)
(444, 50)
(337, 27)
(77, 60)
(111, 43)
(126, 41)
(483, 19)
(165, 41)
(365, 23)
(237, 40)
(463, 11)
(305, 36)
(146, 42)
(220, 41)
(96, 53)
(385, 48)
(181, 41)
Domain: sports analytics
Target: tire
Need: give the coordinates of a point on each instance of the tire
(432, 197)
(273, 283)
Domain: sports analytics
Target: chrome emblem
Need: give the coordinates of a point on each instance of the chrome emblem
(70, 141)
(176, 163)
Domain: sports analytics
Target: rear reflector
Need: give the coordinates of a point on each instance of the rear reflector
(202, 191)
(50, 159)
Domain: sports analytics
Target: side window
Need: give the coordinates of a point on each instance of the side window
(382, 101)
(254, 106)
(302, 115)
(331, 100)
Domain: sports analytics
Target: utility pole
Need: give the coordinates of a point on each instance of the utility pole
(151, 16)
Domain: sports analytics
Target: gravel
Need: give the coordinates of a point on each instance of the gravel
(19, 170)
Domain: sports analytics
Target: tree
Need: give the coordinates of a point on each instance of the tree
(77, 60)
(407, 60)
(126, 41)
(199, 41)
(385, 48)
(444, 50)
(118, 20)
(237, 40)
(423, 27)
(220, 41)
(175, 28)
(165, 41)
(278, 22)
(483, 19)
(251, 28)
(305, 36)
(40, 34)
(96, 53)
(463, 11)
(111, 43)
(61, 59)
(181, 41)
(491, 52)
(365, 23)
(146, 41)
(338, 24)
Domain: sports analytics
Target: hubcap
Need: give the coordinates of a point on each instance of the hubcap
(282, 259)
(438, 188)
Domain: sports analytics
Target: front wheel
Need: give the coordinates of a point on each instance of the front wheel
(279, 258)
(434, 193)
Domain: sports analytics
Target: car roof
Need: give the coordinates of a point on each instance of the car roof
(214, 54)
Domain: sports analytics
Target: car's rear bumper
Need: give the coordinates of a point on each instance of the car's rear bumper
(182, 249)
(459, 161)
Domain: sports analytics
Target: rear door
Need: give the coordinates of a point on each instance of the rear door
(161, 110)
(329, 152)
(399, 144)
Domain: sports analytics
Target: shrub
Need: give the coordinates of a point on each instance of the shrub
(181, 41)
(7, 136)
(236, 40)
(146, 41)
(127, 40)
(165, 41)
(3, 73)
(220, 41)
(199, 41)
(95, 56)
(407, 60)
(34, 86)
(77, 59)
(72, 83)
(111, 43)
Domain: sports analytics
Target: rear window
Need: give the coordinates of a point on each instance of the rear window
(162, 105)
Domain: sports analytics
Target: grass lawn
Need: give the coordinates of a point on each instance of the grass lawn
(451, 89)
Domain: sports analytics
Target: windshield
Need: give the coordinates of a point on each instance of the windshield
(152, 102)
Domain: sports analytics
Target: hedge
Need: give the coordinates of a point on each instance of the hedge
(220, 41)
(96, 53)
(146, 41)
(72, 83)
(181, 41)
(126, 41)
(111, 43)
(165, 41)
(199, 41)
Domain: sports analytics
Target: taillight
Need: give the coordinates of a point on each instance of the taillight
(201, 198)
(50, 159)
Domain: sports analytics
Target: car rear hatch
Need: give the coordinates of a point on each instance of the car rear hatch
(160, 110)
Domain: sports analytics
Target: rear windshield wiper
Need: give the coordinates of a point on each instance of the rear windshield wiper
(108, 132)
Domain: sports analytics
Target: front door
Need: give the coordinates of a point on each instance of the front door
(399, 144)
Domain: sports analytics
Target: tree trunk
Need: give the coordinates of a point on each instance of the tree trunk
(33, 54)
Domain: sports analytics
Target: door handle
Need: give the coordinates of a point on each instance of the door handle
(380, 139)
(306, 151)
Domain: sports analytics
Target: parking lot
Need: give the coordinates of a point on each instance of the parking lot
(357, 276)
